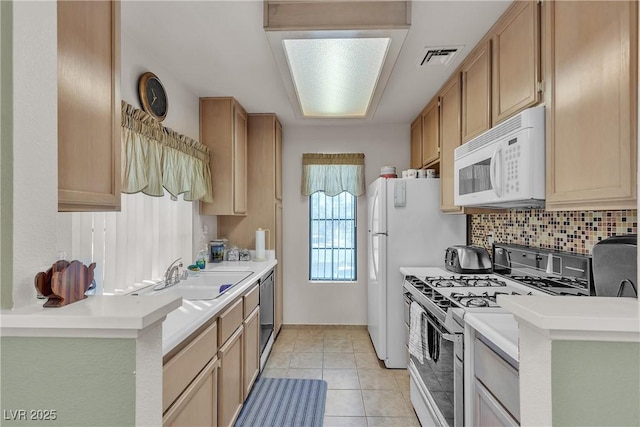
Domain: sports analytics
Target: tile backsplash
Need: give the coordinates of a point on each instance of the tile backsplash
(566, 231)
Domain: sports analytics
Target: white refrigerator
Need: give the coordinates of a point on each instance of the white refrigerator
(405, 229)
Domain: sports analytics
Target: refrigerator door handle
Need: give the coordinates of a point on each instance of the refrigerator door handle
(379, 234)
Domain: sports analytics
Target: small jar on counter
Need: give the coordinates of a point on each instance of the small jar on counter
(216, 250)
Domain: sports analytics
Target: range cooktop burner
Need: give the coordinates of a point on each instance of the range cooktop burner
(552, 282)
(463, 281)
(484, 299)
(463, 291)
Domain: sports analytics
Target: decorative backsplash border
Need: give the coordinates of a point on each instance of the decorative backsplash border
(566, 231)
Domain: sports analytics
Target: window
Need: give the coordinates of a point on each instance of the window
(332, 237)
(135, 244)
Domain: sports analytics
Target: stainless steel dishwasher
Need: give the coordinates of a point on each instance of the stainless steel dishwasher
(266, 310)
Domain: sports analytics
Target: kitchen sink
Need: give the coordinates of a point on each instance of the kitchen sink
(206, 285)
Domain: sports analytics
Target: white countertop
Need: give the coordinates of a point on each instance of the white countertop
(182, 322)
(425, 271)
(125, 316)
(582, 317)
(500, 328)
(96, 316)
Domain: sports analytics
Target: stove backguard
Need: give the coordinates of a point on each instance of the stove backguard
(553, 271)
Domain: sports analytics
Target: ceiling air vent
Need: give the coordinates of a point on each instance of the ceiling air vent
(438, 55)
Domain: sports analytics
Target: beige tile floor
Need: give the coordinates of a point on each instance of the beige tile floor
(361, 391)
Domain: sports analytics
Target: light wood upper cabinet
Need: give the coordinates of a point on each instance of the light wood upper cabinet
(88, 133)
(264, 152)
(450, 138)
(516, 60)
(476, 92)
(223, 129)
(416, 143)
(592, 70)
(278, 159)
(431, 132)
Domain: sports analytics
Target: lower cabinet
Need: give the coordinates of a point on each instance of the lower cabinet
(230, 384)
(195, 407)
(210, 375)
(190, 381)
(488, 410)
(495, 388)
(251, 343)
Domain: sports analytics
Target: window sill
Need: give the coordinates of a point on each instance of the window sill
(332, 282)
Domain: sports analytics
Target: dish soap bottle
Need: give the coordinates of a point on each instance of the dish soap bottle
(201, 259)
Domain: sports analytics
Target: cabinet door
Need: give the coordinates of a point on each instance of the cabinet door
(450, 112)
(278, 160)
(223, 129)
(278, 291)
(431, 132)
(416, 143)
(239, 160)
(182, 368)
(197, 406)
(88, 106)
(251, 342)
(591, 120)
(516, 60)
(264, 182)
(476, 92)
(489, 412)
(230, 384)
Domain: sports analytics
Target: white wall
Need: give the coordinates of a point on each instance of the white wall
(333, 303)
(183, 115)
(40, 232)
(35, 164)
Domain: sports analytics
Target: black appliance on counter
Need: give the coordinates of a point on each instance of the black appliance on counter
(615, 267)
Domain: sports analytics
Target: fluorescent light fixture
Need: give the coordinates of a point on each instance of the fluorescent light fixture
(335, 74)
(335, 77)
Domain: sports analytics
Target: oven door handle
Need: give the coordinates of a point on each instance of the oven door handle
(456, 338)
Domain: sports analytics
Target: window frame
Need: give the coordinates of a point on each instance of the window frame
(354, 249)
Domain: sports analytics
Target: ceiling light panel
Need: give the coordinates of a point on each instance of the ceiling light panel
(335, 77)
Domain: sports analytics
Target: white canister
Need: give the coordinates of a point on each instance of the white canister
(412, 173)
(404, 174)
(430, 173)
(422, 173)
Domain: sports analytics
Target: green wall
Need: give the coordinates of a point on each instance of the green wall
(595, 383)
(6, 154)
(86, 381)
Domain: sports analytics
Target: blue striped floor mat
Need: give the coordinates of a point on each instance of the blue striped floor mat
(284, 402)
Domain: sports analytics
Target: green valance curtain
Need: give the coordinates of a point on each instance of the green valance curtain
(333, 173)
(155, 157)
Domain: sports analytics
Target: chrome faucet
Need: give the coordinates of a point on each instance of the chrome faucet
(172, 275)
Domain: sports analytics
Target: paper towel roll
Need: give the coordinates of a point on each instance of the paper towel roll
(260, 252)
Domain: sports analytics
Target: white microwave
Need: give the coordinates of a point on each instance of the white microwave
(504, 166)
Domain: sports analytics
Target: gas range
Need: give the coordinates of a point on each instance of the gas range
(439, 291)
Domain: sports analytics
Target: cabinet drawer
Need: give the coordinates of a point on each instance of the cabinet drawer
(196, 406)
(251, 300)
(178, 372)
(229, 321)
(498, 377)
